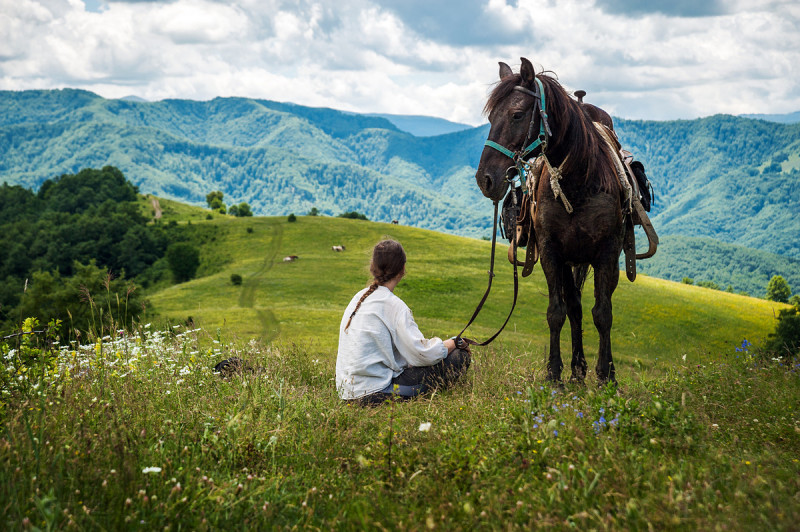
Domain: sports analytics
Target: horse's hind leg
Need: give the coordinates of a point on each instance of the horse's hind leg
(556, 315)
(572, 298)
(606, 278)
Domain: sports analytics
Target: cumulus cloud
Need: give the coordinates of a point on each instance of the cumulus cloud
(676, 59)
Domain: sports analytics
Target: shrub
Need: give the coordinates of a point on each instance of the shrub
(249, 229)
(183, 259)
(292, 218)
(785, 340)
(708, 284)
(91, 300)
(236, 279)
(354, 215)
(687, 280)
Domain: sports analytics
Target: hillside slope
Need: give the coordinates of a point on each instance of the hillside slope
(302, 301)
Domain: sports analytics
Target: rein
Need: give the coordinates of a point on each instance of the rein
(459, 337)
(520, 159)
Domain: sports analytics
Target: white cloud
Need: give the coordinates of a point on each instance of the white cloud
(401, 56)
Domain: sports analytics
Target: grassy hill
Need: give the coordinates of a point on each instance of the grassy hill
(655, 321)
(134, 429)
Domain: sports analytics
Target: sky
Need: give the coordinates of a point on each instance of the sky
(654, 60)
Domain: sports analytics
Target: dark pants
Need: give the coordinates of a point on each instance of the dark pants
(418, 380)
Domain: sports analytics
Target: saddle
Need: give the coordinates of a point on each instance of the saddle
(519, 209)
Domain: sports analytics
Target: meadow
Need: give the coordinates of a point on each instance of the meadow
(132, 429)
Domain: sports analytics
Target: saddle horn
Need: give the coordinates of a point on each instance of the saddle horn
(580, 94)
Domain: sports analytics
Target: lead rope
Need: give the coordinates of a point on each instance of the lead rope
(555, 186)
(488, 288)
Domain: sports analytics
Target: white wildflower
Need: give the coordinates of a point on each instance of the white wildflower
(151, 469)
(424, 427)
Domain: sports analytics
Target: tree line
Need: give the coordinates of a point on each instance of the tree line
(82, 238)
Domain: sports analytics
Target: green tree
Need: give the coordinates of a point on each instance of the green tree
(212, 196)
(183, 260)
(778, 289)
(244, 209)
(354, 215)
(90, 300)
(313, 212)
(292, 218)
(233, 210)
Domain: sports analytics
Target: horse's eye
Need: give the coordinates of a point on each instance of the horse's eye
(519, 115)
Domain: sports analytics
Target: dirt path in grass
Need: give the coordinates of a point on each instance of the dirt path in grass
(156, 208)
(270, 326)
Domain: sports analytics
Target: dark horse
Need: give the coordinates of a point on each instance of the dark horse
(532, 115)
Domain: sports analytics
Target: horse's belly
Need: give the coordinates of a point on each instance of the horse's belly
(594, 229)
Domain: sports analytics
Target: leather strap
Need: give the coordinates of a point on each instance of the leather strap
(459, 337)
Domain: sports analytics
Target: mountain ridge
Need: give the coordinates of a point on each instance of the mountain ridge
(709, 174)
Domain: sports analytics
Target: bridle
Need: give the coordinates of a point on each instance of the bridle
(520, 159)
(522, 156)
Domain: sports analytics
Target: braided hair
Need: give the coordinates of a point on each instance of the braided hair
(388, 260)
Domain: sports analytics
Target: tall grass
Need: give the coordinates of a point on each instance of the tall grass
(137, 431)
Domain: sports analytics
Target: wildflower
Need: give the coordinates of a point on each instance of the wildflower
(580, 415)
(424, 427)
(152, 469)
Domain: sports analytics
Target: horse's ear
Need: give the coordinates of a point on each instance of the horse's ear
(505, 70)
(527, 73)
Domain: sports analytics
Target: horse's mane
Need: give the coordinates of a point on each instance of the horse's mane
(574, 134)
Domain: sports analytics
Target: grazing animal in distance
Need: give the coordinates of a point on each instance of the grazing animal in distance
(578, 220)
(290, 258)
(395, 222)
(338, 248)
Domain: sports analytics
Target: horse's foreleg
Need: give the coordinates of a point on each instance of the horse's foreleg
(556, 315)
(606, 278)
(572, 298)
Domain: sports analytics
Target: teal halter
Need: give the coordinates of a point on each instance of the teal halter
(520, 157)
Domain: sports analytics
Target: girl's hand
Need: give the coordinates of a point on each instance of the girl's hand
(450, 344)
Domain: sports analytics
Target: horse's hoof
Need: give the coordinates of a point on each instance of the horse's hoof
(577, 380)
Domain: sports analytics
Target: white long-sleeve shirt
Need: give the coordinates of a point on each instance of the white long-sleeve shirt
(380, 343)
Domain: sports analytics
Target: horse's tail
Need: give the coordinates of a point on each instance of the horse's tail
(579, 274)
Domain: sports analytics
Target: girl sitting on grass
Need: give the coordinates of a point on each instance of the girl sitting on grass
(381, 350)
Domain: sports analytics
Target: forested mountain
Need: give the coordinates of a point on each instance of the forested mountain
(733, 179)
(703, 259)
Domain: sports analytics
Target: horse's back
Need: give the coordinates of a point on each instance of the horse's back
(598, 115)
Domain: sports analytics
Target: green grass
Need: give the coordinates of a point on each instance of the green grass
(699, 436)
(656, 322)
(699, 447)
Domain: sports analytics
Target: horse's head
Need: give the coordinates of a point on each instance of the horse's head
(515, 118)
